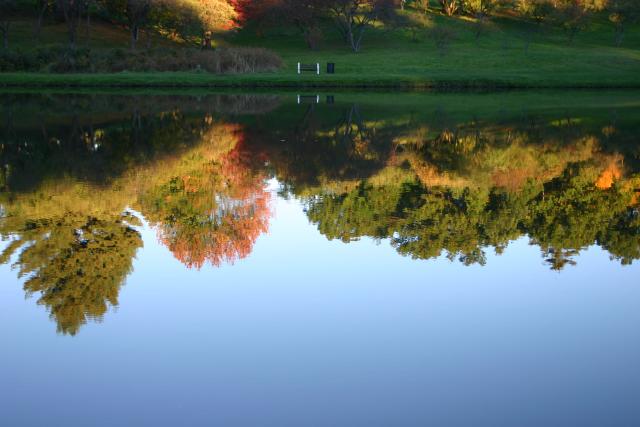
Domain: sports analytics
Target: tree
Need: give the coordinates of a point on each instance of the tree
(42, 7)
(421, 5)
(137, 12)
(72, 11)
(76, 263)
(302, 14)
(354, 17)
(132, 14)
(480, 10)
(449, 7)
(478, 7)
(215, 208)
(260, 13)
(621, 13)
(575, 15)
(533, 10)
(7, 8)
(214, 15)
(536, 10)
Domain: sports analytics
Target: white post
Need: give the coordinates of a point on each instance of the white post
(298, 68)
(318, 67)
(298, 99)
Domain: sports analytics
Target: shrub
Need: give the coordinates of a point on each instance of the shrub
(220, 61)
(10, 60)
(64, 60)
(71, 60)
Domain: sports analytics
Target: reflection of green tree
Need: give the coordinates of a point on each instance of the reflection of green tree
(616, 238)
(562, 217)
(76, 263)
(573, 213)
(435, 187)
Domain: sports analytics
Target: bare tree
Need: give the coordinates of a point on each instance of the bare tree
(622, 13)
(354, 17)
(7, 8)
(72, 12)
(573, 16)
(42, 6)
(137, 12)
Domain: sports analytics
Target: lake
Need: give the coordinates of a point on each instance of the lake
(323, 259)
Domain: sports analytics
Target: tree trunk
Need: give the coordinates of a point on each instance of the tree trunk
(71, 12)
(352, 40)
(88, 33)
(206, 41)
(41, 13)
(619, 34)
(72, 35)
(134, 35)
(359, 38)
(4, 27)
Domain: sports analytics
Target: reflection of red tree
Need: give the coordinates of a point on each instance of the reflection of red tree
(216, 213)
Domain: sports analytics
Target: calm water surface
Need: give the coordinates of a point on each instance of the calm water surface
(330, 260)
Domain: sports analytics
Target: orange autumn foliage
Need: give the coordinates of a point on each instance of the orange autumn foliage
(216, 212)
(611, 174)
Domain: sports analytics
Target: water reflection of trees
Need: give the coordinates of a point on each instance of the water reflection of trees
(68, 182)
(562, 217)
(432, 184)
(459, 189)
(76, 263)
(215, 208)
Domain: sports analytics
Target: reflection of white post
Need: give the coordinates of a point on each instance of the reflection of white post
(318, 67)
(298, 68)
(317, 99)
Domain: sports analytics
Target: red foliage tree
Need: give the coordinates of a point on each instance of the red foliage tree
(214, 214)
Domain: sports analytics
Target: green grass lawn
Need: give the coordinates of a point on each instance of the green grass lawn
(394, 57)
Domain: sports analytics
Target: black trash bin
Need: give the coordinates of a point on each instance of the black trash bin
(331, 67)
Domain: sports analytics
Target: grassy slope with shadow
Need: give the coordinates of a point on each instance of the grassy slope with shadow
(392, 58)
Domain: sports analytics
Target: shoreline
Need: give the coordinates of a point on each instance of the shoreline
(287, 81)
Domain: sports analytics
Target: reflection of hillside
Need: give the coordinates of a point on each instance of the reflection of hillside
(98, 138)
(459, 188)
(68, 236)
(431, 184)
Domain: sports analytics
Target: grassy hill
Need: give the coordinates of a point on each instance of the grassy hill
(508, 53)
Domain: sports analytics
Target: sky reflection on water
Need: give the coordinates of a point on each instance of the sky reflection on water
(289, 327)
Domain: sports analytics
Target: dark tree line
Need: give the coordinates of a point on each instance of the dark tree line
(197, 20)
(187, 19)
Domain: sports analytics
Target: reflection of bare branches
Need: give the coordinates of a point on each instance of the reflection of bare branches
(560, 258)
(307, 127)
(113, 106)
(353, 127)
(244, 104)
